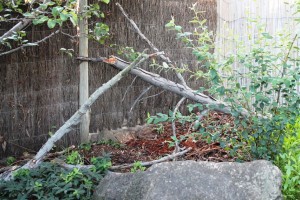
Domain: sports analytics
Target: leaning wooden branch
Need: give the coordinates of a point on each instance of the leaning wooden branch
(30, 44)
(171, 86)
(75, 119)
(163, 159)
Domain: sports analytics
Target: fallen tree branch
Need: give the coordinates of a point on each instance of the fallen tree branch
(75, 119)
(68, 166)
(30, 44)
(171, 86)
(163, 159)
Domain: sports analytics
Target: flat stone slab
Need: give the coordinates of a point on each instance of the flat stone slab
(185, 180)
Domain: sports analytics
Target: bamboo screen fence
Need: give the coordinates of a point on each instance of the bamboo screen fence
(39, 85)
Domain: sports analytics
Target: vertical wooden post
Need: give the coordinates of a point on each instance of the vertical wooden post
(84, 72)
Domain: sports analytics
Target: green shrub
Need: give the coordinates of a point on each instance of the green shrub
(137, 166)
(263, 86)
(10, 160)
(289, 162)
(50, 181)
(74, 158)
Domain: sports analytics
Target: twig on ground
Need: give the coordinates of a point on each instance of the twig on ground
(163, 159)
(68, 166)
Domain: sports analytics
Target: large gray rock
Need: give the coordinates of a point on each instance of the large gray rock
(190, 180)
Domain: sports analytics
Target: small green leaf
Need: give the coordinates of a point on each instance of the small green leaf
(267, 36)
(51, 23)
(63, 16)
(40, 20)
(56, 10)
(105, 1)
(178, 28)
(165, 65)
(74, 19)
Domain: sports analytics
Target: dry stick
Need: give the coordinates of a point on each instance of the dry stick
(284, 68)
(128, 88)
(135, 102)
(171, 86)
(30, 44)
(139, 97)
(75, 119)
(68, 166)
(151, 96)
(163, 159)
(173, 123)
(169, 157)
(14, 167)
(166, 59)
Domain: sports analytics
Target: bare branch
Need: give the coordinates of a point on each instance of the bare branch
(152, 96)
(174, 125)
(128, 88)
(30, 44)
(284, 67)
(166, 59)
(71, 36)
(163, 159)
(135, 102)
(139, 97)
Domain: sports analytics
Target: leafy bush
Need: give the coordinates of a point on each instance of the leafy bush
(10, 160)
(264, 106)
(50, 181)
(74, 158)
(289, 161)
(137, 166)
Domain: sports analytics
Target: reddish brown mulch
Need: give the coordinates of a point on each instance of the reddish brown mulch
(153, 145)
(145, 149)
